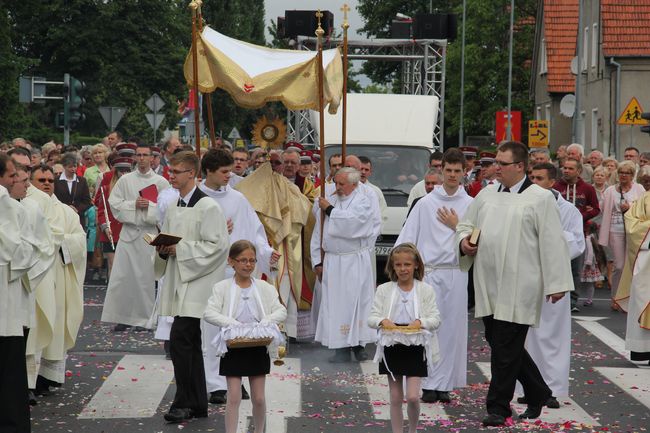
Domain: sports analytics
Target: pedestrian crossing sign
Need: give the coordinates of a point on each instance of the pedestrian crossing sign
(631, 115)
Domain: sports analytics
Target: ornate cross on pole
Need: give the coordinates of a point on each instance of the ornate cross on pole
(319, 31)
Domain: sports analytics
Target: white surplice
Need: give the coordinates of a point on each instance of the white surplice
(69, 273)
(522, 255)
(199, 261)
(245, 225)
(347, 283)
(436, 243)
(130, 294)
(550, 344)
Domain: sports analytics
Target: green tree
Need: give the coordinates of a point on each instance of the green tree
(486, 57)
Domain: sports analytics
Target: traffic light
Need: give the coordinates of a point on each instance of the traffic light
(645, 128)
(73, 100)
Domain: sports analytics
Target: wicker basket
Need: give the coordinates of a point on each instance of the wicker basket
(239, 343)
(404, 329)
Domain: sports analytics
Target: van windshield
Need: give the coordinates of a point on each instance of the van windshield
(395, 169)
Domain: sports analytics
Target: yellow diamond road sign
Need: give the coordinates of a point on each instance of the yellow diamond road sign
(631, 115)
(538, 133)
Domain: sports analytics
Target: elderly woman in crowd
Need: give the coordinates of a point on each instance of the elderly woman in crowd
(617, 200)
(100, 158)
(611, 165)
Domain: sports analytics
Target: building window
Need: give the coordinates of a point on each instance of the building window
(585, 45)
(594, 45)
(594, 128)
(542, 58)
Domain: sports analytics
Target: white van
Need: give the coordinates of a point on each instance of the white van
(396, 133)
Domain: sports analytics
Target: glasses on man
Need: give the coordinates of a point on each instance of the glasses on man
(505, 164)
(44, 180)
(246, 261)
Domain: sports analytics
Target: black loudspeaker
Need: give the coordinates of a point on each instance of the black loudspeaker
(280, 27)
(452, 27)
(430, 26)
(400, 29)
(305, 23)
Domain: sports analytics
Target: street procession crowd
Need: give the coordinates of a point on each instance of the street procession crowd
(227, 255)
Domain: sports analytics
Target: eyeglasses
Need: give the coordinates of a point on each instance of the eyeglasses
(246, 261)
(44, 180)
(627, 173)
(177, 172)
(505, 164)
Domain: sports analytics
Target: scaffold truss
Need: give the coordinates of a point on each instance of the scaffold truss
(422, 73)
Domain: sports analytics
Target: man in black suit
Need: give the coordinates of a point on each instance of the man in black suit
(521, 258)
(71, 189)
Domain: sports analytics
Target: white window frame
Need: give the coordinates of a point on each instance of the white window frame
(594, 128)
(547, 117)
(585, 44)
(538, 113)
(594, 45)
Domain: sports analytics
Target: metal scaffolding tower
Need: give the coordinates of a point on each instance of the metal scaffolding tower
(423, 73)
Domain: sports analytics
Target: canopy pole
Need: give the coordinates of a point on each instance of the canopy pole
(321, 134)
(195, 5)
(344, 118)
(208, 97)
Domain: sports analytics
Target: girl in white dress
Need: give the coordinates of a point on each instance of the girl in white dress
(244, 300)
(409, 302)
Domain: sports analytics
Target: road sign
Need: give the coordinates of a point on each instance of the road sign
(538, 133)
(631, 115)
(154, 119)
(234, 134)
(112, 116)
(502, 126)
(155, 103)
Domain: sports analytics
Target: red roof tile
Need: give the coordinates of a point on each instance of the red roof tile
(560, 34)
(625, 27)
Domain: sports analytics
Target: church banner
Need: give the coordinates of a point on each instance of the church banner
(254, 75)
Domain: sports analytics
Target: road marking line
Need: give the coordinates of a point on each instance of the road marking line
(133, 390)
(588, 318)
(616, 343)
(377, 386)
(634, 381)
(283, 398)
(569, 410)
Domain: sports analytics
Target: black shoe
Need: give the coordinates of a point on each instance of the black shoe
(443, 396)
(140, 329)
(218, 397)
(42, 387)
(494, 420)
(177, 415)
(32, 398)
(121, 327)
(244, 394)
(198, 414)
(532, 411)
(341, 355)
(360, 353)
(429, 396)
(552, 403)
(522, 400)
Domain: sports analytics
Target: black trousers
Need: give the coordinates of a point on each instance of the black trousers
(14, 416)
(187, 357)
(511, 362)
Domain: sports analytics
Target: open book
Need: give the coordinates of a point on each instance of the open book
(164, 239)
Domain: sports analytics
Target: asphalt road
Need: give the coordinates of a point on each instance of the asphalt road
(121, 382)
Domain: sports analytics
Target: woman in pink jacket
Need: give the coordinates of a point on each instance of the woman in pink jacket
(617, 200)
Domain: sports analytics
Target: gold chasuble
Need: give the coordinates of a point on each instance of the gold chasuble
(283, 211)
(637, 231)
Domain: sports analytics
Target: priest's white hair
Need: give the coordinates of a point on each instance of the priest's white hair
(353, 174)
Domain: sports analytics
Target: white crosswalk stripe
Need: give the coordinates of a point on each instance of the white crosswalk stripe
(616, 343)
(283, 398)
(377, 386)
(133, 390)
(634, 381)
(569, 410)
